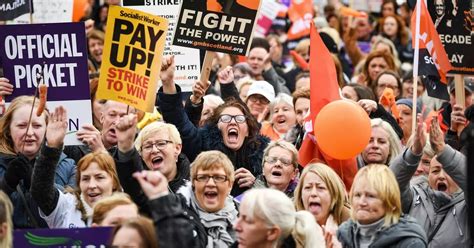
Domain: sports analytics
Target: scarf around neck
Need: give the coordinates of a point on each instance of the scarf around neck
(218, 225)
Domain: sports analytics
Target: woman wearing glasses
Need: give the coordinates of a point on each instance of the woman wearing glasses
(231, 130)
(280, 168)
(156, 148)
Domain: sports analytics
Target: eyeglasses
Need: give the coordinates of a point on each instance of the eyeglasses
(160, 145)
(260, 99)
(273, 160)
(215, 178)
(228, 118)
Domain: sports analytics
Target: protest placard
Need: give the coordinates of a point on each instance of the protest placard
(47, 11)
(186, 59)
(57, 52)
(133, 47)
(454, 23)
(11, 9)
(224, 28)
(99, 237)
(268, 12)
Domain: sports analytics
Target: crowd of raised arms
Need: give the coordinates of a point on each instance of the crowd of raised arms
(219, 168)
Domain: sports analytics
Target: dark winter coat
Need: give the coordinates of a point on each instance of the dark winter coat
(195, 140)
(405, 233)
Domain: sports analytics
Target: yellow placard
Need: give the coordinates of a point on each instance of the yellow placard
(131, 59)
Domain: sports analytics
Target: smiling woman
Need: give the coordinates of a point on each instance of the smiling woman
(20, 146)
(97, 179)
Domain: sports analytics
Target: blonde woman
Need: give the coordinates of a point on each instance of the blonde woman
(268, 218)
(322, 192)
(6, 223)
(376, 215)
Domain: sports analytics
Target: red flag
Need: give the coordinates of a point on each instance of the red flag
(433, 60)
(324, 89)
(299, 60)
(301, 15)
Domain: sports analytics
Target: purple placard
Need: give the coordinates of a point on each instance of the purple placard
(74, 237)
(59, 47)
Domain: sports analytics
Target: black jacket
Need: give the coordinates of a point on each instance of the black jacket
(130, 162)
(195, 140)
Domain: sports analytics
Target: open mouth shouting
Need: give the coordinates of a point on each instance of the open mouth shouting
(211, 196)
(157, 162)
(442, 186)
(314, 207)
(232, 135)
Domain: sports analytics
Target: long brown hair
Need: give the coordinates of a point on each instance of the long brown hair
(6, 141)
(402, 33)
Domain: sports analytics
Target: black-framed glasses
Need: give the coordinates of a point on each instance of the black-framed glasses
(216, 178)
(160, 145)
(273, 160)
(228, 118)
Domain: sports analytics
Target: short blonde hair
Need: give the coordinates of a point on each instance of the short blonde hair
(380, 178)
(211, 160)
(335, 187)
(104, 205)
(154, 128)
(284, 145)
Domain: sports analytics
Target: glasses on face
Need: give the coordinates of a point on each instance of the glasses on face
(273, 160)
(228, 118)
(260, 99)
(215, 178)
(160, 145)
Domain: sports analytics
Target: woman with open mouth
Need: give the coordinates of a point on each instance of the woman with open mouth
(20, 147)
(282, 115)
(376, 214)
(441, 197)
(280, 168)
(321, 192)
(231, 130)
(96, 178)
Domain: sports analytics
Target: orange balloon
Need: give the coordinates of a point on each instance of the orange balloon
(342, 129)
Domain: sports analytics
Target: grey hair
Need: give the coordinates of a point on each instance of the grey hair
(276, 209)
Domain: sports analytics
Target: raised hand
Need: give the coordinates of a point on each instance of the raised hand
(6, 88)
(368, 105)
(167, 75)
(57, 127)
(125, 131)
(199, 90)
(90, 136)
(226, 75)
(153, 183)
(458, 120)
(419, 140)
(244, 178)
(436, 137)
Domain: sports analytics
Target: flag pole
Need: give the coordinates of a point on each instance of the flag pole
(415, 64)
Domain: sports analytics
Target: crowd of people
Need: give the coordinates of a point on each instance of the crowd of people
(219, 167)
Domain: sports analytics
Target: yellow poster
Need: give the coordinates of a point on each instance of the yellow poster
(131, 59)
